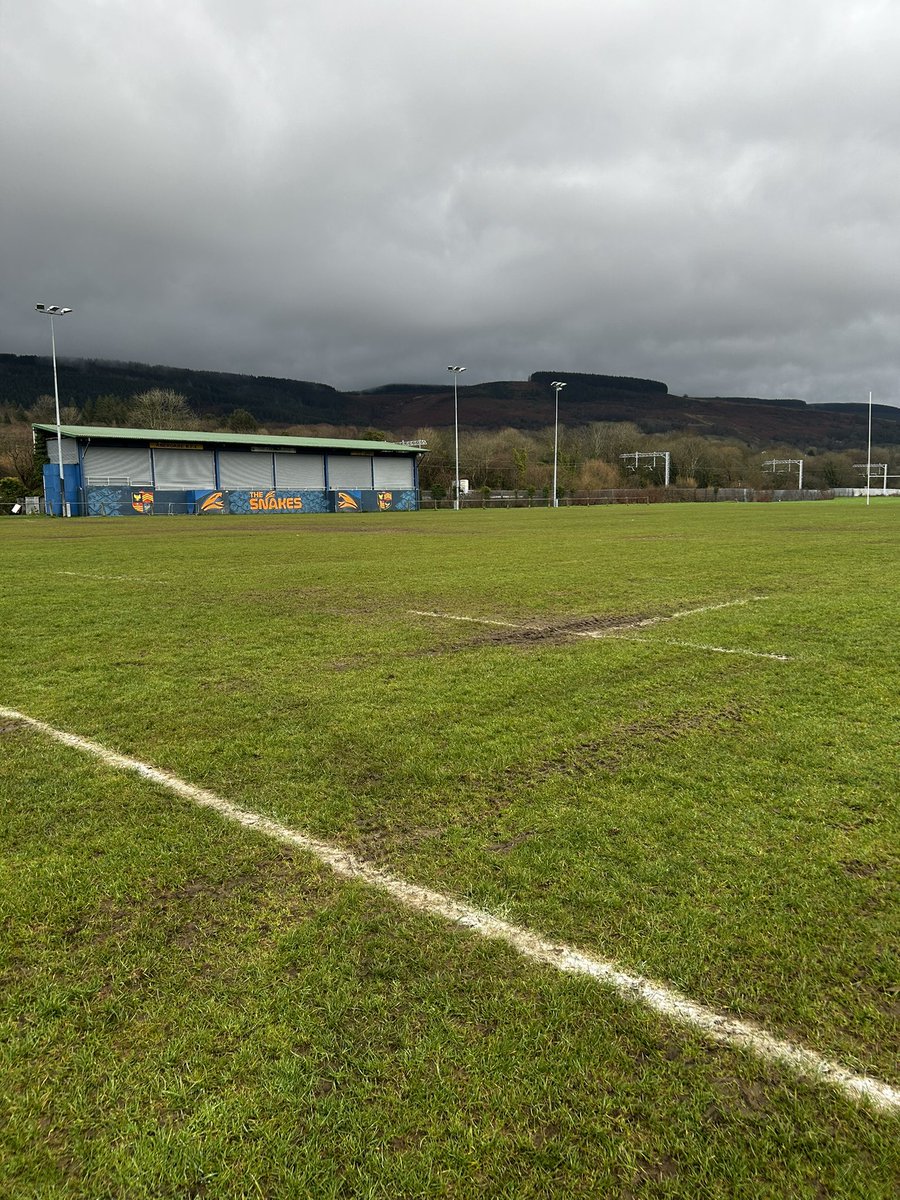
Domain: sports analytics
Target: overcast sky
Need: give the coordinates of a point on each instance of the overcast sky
(363, 191)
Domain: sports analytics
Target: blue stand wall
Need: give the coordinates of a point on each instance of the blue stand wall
(72, 480)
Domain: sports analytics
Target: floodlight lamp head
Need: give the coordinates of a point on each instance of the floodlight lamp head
(557, 383)
(52, 310)
(456, 368)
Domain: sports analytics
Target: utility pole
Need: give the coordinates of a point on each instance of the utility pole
(771, 463)
(653, 455)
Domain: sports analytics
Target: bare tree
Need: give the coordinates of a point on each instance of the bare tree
(18, 454)
(44, 412)
(606, 440)
(161, 408)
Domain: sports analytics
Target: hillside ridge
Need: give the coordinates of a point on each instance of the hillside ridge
(404, 407)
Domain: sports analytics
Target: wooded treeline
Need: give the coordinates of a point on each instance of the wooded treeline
(589, 461)
(507, 460)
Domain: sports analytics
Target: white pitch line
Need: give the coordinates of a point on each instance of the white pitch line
(703, 646)
(613, 630)
(591, 633)
(688, 612)
(670, 1004)
(415, 612)
(128, 578)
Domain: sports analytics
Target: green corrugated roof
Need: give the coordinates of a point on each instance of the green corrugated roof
(110, 432)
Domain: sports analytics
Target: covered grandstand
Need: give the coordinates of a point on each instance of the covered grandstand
(110, 472)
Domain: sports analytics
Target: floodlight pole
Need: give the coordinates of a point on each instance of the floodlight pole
(51, 311)
(456, 371)
(557, 386)
(869, 458)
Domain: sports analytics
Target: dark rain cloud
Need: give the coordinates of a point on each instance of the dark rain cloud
(364, 191)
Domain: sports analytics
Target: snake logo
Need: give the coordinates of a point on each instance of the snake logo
(347, 503)
(213, 503)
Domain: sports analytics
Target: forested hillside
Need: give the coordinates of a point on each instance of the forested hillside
(506, 426)
(24, 378)
(104, 391)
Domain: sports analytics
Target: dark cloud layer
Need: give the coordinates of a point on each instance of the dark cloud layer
(363, 191)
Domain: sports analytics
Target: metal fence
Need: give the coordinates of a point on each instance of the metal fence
(651, 495)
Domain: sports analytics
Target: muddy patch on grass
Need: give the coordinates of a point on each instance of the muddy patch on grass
(746, 1098)
(560, 632)
(463, 635)
(864, 870)
(377, 842)
(604, 755)
(657, 1170)
(553, 631)
(57, 1142)
(512, 843)
(486, 632)
(275, 890)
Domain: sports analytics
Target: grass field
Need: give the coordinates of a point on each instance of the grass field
(705, 794)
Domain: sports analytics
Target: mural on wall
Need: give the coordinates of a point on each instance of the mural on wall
(405, 501)
(108, 502)
(129, 502)
(366, 501)
(276, 500)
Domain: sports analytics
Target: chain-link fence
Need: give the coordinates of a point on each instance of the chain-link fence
(651, 495)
